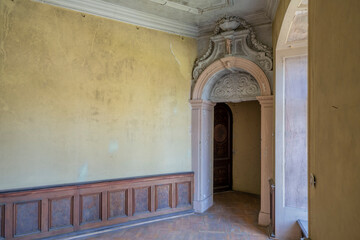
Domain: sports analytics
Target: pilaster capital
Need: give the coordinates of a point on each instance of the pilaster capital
(199, 103)
(266, 101)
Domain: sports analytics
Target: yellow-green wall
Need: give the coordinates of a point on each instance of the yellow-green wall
(278, 20)
(334, 118)
(246, 146)
(86, 98)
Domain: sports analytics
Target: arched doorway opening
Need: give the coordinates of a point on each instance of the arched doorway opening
(223, 148)
(202, 103)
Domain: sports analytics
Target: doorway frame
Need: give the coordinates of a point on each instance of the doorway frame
(202, 121)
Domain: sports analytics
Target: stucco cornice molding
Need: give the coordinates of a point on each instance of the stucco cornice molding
(139, 18)
(256, 20)
(271, 7)
(127, 15)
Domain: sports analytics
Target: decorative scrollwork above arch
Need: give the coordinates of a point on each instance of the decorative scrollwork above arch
(233, 36)
(235, 87)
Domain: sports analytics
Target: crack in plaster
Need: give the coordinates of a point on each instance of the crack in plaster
(172, 52)
(93, 40)
(67, 58)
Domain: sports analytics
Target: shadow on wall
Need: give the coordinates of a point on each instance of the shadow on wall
(246, 146)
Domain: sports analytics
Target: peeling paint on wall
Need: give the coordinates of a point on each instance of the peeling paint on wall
(83, 173)
(75, 88)
(113, 147)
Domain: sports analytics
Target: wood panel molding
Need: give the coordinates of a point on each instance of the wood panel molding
(61, 212)
(163, 197)
(32, 214)
(2, 221)
(27, 217)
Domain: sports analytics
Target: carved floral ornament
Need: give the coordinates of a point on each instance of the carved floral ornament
(235, 87)
(233, 36)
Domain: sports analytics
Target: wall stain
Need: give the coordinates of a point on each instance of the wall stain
(94, 111)
(55, 110)
(94, 37)
(6, 28)
(83, 171)
(113, 147)
(59, 40)
(99, 95)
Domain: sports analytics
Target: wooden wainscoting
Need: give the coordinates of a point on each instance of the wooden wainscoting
(44, 212)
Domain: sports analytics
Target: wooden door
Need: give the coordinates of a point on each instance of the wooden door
(222, 148)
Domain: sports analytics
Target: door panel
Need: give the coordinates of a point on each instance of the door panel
(222, 148)
(291, 143)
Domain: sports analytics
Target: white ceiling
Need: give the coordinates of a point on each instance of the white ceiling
(192, 18)
(199, 13)
(195, 7)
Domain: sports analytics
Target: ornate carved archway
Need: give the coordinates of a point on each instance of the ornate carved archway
(234, 69)
(232, 65)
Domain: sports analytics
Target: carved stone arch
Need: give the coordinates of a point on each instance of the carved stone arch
(202, 131)
(231, 64)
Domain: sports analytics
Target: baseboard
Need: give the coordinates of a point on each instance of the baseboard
(117, 227)
(264, 219)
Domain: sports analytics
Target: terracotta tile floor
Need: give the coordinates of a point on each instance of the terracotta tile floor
(233, 216)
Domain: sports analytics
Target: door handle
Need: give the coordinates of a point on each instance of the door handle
(312, 180)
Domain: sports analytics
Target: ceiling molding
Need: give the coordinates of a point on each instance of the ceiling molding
(139, 18)
(193, 10)
(255, 20)
(127, 15)
(258, 18)
(271, 7)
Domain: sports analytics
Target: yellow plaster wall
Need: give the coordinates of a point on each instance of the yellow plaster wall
(334, 118)
(246, 146)
(86, 98)
(277, 22)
